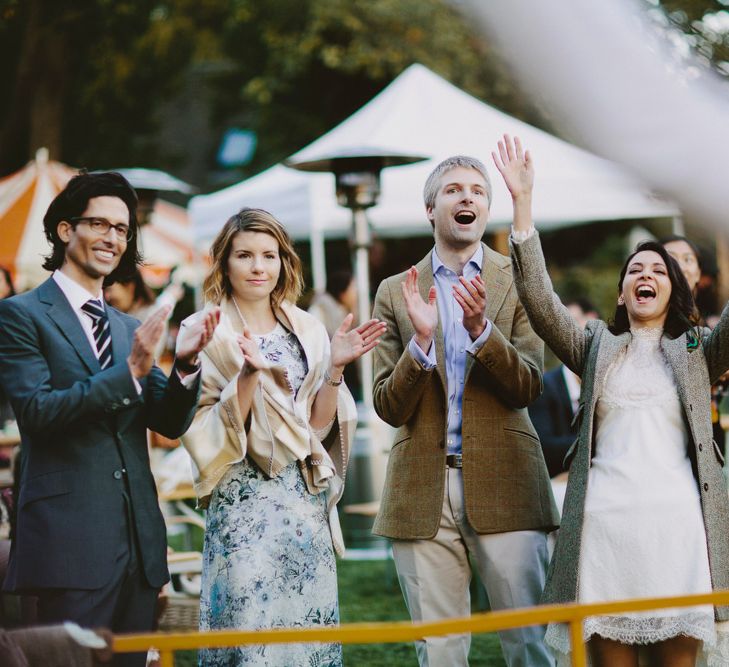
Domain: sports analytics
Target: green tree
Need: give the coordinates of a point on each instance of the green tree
(83, 77)
(90, 78)
(300, 69)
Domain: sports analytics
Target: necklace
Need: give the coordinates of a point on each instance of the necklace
(237, 309)
(245, 324)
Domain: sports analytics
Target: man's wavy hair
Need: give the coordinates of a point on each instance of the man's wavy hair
(681, 306)
(73, 200)
(290, 281)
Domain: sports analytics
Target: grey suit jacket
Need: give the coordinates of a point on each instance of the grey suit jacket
(589, 353)
(505, 480)
(84, 445)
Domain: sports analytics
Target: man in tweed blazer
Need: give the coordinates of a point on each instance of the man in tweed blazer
(454, 372)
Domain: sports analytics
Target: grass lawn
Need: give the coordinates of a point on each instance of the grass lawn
(368, 591)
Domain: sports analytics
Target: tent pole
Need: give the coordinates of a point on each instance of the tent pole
(362, 242)
(318, 259)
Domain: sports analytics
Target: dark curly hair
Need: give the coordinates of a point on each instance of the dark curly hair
(681, 309)
(73, 200)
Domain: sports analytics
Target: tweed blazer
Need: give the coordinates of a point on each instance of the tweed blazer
(696, 365)
(506, 484)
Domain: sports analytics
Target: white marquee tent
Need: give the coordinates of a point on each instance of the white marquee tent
(420, 113)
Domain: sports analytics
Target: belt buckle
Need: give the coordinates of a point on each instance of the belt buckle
(454, 460)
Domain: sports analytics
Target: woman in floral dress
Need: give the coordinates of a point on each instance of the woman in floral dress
(269, 446)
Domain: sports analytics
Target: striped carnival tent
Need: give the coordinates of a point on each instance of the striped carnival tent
(167, 242)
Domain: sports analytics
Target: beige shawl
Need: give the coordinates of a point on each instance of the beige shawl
(277, 431)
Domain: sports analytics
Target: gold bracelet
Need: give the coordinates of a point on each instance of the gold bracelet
(330, 382)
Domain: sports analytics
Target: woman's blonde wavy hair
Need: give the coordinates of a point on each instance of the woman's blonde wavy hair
(290, 281)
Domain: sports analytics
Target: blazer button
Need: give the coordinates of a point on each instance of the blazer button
(701, 447)
(706, 486)
(126, 401)
(117, 474)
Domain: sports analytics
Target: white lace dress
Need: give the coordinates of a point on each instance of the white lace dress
(643, 532)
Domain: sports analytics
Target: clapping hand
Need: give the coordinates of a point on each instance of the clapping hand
(350, 344)
(424, 316)
(146, 337)
(471, 297)
(252, 359)
(195, 335)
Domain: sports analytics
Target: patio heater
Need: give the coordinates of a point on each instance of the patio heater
(357, 177)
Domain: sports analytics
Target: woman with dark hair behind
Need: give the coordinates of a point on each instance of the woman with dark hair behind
(132, 295)
(646, 511)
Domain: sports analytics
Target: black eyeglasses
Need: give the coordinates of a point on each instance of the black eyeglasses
(101, 226)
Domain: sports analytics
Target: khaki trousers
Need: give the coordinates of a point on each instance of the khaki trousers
(435, 576)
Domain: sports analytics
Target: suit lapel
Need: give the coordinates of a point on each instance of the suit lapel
(64, 317)
(425, 282)
(120, 344)
(497, 279)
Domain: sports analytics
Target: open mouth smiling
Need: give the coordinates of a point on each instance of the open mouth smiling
(645, 293)
(104, 254)
(465, 217)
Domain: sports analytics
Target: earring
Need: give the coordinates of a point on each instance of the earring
(621, 300)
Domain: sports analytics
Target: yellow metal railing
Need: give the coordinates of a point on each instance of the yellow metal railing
(405, 631)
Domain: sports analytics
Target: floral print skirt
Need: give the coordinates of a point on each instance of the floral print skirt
(268, 562)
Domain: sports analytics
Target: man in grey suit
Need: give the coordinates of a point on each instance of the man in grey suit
(454, 372)
(90, 539)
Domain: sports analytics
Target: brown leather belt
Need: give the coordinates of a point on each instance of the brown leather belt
(454, 460)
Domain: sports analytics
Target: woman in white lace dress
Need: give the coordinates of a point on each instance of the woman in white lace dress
(269, 445)
(646, 512)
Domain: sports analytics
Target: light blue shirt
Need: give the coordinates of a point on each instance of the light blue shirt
(456, 340)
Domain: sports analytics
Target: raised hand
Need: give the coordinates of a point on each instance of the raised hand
(350, 344)
(146, 337)
(253, 361)
(194, 336)
(515, 166)
(471, 297)
(424, 316)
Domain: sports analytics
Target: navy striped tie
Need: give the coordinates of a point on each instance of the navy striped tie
(94, 308)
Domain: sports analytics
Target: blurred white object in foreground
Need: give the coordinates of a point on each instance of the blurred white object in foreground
(615, 83)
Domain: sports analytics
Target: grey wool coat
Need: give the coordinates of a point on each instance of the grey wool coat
(505, 479)
(695, 363)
